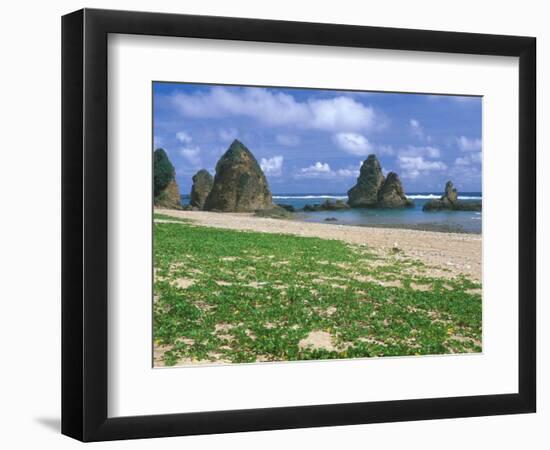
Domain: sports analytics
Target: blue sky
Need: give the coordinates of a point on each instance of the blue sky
(313, 140)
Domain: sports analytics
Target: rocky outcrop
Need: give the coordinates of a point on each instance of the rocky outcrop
(275, 212)
(451, 194)
(374, 191)
(287, 207)
(170, 197)
(365, 193)
(391, 193)
(449, 202)
(328, 205)
(165, 188)
(240, 184)
(202, 185)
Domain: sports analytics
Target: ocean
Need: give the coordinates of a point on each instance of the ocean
(413, 218)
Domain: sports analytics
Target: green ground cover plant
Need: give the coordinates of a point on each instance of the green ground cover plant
(226, 296)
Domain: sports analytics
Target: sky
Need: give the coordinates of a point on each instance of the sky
(314, 140)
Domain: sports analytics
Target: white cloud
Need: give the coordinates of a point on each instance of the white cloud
(462, 161)
(192, 155)
(316, 168)
(278, 109)
(416, 129)
(323, 170)
(353, 143)
(340, 113)
(466, 175)
(357, 144)
(468, 160)
(183, 137)
(227, 134)
(288, 140)
(476, 157)
(425, 151)
(468, 145)
(414, 166)
(272, 166)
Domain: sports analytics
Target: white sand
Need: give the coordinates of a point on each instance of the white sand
(461, 253)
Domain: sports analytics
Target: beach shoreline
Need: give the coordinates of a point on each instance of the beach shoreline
(452, 253)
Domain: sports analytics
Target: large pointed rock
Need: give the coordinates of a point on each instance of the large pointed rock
(166, 190)
(202, 185)
(365, 193)
(391, 193)
(240, 184)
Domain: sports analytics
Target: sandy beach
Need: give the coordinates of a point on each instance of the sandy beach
(458, 253)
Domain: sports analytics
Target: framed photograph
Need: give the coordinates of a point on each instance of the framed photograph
(272, 224)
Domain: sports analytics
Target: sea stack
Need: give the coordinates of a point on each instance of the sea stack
(365, 193)
(450, 197)
(449, 202)
(166, 191)
(202, 185)
(374, 191)
(239, 184)
(391, 193)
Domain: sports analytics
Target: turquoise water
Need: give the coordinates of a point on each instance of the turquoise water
(414, 218)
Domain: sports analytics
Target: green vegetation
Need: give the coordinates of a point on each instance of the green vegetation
(164, 171)
(231, 296)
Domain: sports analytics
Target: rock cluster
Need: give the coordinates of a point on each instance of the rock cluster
(449, 201)
(328, 205)
(202, 185)
(165, 188)
(239, 184)
(287, 207)
(374, 191)
(365, 193)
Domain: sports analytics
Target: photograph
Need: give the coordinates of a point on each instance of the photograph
(294, 224)
(267, 225)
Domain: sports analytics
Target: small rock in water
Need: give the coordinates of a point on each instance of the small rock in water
(288, 207)
(449, 201)
(327, 205)
(331, 219)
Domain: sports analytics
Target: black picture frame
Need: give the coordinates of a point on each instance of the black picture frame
(84, 224)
